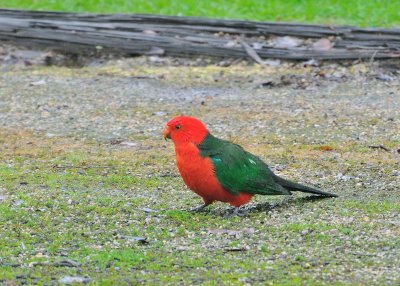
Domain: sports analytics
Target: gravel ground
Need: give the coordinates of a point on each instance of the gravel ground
(336, 126)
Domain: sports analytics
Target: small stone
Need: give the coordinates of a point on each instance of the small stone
(384, 77)
(286, 42)
(160, 113)
(73, 279)
(342, 177)
(17, 203)
(322, 45)
(39, 82)
(45, 114)
(129, 144)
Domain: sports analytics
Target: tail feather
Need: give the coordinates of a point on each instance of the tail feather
(292, 186)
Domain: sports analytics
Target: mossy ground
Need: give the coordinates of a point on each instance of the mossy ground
(85, 173)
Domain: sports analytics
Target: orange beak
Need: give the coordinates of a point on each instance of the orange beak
(167, 134)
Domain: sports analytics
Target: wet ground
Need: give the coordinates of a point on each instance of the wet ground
(331, 125)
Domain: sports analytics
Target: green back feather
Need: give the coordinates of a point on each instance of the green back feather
(238, 170)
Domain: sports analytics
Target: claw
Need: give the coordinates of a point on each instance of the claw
(198, 208)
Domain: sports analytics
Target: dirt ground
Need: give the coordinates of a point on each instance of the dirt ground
(89, 189)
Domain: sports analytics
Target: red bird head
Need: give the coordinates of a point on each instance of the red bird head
(185, 129)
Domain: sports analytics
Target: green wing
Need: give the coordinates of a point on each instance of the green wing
(238, 170)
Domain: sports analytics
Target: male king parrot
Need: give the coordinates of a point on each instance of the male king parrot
(218, 170)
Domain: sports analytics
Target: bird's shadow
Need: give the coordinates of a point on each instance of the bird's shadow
(265, 207)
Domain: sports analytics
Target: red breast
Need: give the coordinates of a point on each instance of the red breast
(199, 175)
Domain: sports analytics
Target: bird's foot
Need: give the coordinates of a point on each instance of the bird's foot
(198, 208)
(237, 211)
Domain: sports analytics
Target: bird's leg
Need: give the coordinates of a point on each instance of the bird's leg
(240, 211)
(198, 208)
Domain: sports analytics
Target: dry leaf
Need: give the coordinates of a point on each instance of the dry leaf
(325, 148)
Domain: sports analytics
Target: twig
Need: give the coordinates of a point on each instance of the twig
(61, 263)
(371, 61)
(66, 263)
(83, 167)
(235, 249)
(252, 53)
(362, 254)
(379, 147)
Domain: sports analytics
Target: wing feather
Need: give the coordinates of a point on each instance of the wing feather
(238, 170)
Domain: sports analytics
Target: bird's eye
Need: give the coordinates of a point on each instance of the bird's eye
(177, 127)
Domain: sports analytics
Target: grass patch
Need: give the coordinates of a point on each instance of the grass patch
(383, 13)
(373, 207)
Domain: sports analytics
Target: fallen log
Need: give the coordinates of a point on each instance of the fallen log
(178, 36)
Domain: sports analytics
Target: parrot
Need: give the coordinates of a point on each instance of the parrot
(219, 170)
